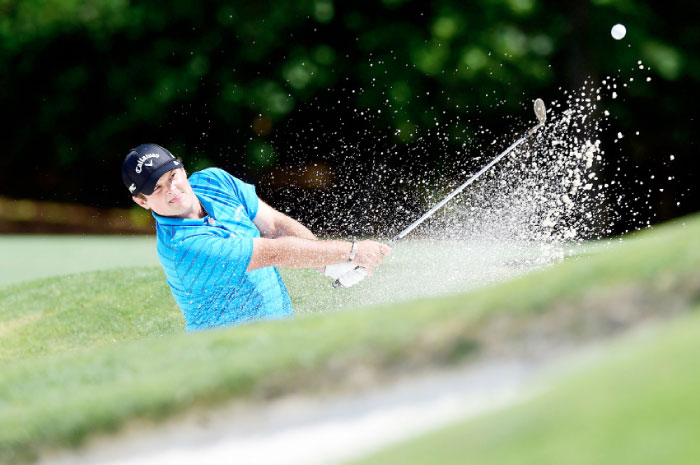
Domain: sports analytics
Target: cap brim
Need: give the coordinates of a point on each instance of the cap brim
(148, 186)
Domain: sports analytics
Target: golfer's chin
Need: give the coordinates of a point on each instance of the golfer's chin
(178, 207)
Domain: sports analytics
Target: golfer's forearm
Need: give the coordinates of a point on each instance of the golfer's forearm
(295, 252)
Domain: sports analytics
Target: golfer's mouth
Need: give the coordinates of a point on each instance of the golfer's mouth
(176, 198)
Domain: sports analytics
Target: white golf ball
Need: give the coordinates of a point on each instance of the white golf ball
(618, 31)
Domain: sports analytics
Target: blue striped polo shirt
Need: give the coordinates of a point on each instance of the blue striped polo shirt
(205, 259)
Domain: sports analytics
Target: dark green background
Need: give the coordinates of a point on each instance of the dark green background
(253, 87)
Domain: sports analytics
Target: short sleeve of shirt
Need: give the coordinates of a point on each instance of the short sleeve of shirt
(245, 192)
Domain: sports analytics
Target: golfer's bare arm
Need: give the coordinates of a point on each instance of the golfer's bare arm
(295, 252)
(287, 243)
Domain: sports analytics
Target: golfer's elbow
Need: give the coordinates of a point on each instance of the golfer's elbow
(274, 252)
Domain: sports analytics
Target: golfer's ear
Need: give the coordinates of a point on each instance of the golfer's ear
(141, 202)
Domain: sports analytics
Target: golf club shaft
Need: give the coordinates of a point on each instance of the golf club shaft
(540, 113)
(449, 197)
(430, 212)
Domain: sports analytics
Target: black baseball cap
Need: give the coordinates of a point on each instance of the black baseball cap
(144, 165)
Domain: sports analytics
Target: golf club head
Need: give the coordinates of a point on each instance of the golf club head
(540, 111)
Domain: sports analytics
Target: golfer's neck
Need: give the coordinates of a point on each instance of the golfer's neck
(197, 211)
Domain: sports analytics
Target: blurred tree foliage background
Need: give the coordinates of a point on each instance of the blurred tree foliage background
(244, 85)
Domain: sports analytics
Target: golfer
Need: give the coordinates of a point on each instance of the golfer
(219, 243)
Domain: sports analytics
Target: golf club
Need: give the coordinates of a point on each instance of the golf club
(540, 113)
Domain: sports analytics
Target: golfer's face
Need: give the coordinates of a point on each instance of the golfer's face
(172, 195)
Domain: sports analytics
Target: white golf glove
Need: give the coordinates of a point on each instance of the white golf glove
(337, 269)
(345, 274)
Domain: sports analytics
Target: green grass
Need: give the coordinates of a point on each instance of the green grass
(32, 256)
(88, 352)
(639, 405)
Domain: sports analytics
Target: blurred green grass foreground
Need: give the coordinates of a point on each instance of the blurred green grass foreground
(89, 352)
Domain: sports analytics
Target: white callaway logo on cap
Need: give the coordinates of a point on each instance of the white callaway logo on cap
(141, 160)
(132, 188)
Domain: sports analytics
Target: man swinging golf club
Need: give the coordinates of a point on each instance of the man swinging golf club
(219, 243)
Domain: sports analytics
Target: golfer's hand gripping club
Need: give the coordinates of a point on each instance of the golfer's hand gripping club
(350, 278)
(369, 255)
(336, 270)
(345, 274)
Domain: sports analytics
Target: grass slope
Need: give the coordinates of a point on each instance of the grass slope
(638, 406)
(75, 359)
(84, 310)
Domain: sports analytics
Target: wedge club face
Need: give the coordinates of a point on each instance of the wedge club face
(540, 111)
(541, 114)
